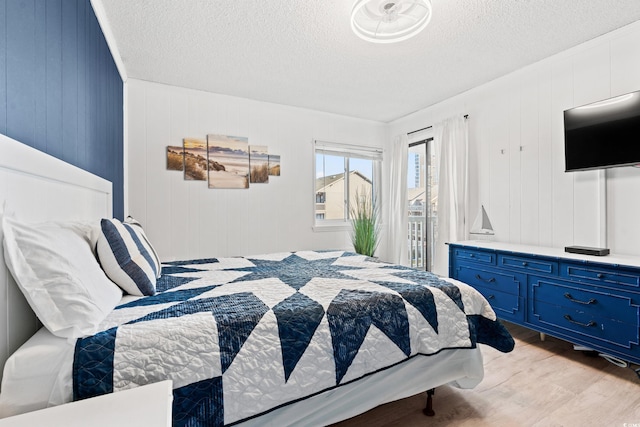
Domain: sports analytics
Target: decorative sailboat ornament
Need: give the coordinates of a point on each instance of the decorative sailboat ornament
(482, 225)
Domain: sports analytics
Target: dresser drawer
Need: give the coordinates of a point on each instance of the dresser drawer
(594, 303)
(583, 325)
(507, 306)
(530, 265)
(490, 278)
(475, 256)
(483, 257)
(601, 275)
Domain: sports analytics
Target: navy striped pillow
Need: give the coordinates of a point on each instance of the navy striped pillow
(127, 257)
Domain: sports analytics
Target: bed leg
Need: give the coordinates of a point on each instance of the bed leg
(428, 410)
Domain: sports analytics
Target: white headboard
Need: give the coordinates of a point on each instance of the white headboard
(38, 187)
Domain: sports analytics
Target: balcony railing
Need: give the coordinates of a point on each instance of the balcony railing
(421, 246)
(417, 246)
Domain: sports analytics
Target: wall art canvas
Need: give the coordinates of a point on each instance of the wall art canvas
(274, 164)
(259, 161)
(195, 159)
(228, 161)
(175, 158)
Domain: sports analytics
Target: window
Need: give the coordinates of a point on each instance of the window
(342, 173)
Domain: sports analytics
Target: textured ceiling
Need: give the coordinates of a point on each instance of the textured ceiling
(303, 53)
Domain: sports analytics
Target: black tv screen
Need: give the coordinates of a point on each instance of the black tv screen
(603, 134)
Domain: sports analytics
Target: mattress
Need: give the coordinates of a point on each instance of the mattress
(38, 375)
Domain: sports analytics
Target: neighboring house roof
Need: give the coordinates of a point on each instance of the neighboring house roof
(326, 181)
(416, 193)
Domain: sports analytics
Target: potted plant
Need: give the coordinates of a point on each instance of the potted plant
(365, 221)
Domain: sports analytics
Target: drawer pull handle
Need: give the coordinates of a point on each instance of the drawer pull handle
(600, 276)
(588, 325)
(568, 296)
(491, 280)
(524, 264)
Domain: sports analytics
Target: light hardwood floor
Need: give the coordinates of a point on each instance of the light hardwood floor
(542, 384)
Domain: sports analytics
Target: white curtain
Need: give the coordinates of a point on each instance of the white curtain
(397, 214)
(451, 140)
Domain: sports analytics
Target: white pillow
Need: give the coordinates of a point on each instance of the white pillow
(127, 256)
(54, 266)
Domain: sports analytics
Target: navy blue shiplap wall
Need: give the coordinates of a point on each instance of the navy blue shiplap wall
(60, 90)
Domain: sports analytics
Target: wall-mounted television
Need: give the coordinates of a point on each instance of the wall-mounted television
(603, 134)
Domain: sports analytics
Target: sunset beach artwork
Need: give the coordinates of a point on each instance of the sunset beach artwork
(228, 161)
(274, 164)
(259, 161)
(195, 159)
(175, 158)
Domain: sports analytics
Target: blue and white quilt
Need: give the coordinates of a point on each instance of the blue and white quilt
(242, 336)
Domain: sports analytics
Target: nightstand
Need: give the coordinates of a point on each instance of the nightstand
(149, 405)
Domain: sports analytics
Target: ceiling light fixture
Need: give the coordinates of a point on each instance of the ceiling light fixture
(389, 21)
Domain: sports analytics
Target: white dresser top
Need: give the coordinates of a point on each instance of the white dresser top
(628, 260)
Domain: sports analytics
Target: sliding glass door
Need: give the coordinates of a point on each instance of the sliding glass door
(422, 194)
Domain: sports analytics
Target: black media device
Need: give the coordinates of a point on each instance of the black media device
(603, 134)
(585, 250)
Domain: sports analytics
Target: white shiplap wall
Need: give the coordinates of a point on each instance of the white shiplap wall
(517, 148)
(185, 219)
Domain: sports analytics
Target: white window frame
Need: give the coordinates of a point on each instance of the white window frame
(347, 151)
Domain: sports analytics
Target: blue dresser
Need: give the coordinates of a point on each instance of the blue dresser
(587, 300)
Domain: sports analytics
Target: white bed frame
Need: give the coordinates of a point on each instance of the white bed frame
(38, 187)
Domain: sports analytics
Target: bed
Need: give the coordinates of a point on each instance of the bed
(305, 338)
